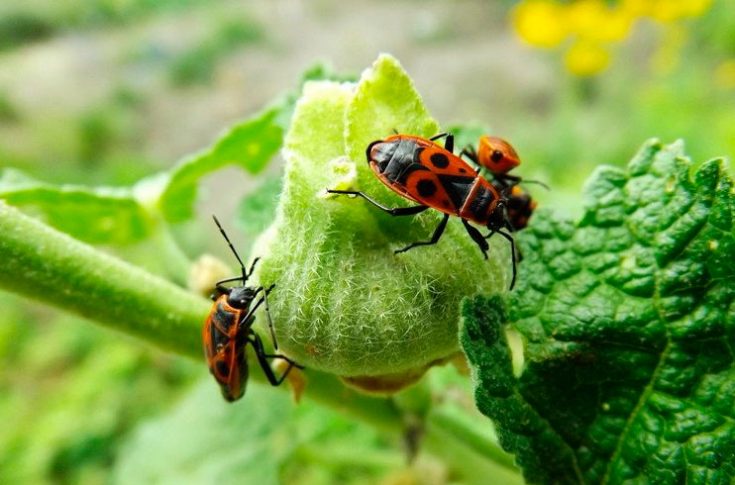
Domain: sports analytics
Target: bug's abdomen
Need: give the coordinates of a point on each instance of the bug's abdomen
(225, 354)
(481, 202)
(394, 160)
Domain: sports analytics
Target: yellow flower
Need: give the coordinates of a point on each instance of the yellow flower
(695, 8)
(637, 8)
(672, 10)
(541, 23)
(593, 20)
(586, 58)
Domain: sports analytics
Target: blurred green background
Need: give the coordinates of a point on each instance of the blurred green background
(109, 91)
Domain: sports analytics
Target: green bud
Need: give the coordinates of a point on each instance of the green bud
(344, 302)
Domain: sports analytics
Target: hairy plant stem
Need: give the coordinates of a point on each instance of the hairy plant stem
(46, 265)
(43, 264)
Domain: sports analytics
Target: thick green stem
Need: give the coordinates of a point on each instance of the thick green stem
(41, 263)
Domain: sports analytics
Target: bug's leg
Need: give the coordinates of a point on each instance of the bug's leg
(262, 357)
(252, 267)
(537, 182)
(394, 211)
(250, 314)
(477, 237)
(469, 152)
(434, 238)
(449, 143)
(223, 290)
(512, 251)
(268, 315)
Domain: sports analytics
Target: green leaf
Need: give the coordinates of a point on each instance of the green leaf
(101, 215)
(348, 304)
(120, 215)
(628, 325)
(249, 144)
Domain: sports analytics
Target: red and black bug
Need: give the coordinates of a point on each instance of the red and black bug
(431, 175)
(229, 328)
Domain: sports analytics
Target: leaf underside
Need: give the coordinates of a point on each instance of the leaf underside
(629, 328)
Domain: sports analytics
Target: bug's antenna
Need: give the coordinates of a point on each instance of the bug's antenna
(234, 251)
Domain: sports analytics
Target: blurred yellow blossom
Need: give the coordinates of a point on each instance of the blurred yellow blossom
(594, 20)
(541, 23)
(586, 58)
(586, 28)
(665, 10)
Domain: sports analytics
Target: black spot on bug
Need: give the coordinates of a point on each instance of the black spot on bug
(222, 368)
(426, 188)
(496, 156)
(439, 160)
(462, 170)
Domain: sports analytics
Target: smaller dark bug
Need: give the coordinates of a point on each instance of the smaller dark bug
(229, 328)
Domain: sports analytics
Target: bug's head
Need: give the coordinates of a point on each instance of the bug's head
(497, 155)
(499, 217)
(240, 297)
(380, 152)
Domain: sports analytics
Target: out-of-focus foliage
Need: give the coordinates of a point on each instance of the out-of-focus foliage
(197, 65)
(204, 439)
(62, 388)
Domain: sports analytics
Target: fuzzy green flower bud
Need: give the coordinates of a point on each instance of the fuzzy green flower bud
(344, 302)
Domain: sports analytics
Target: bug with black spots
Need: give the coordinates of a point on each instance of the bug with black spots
(229, 329)
(422, 171)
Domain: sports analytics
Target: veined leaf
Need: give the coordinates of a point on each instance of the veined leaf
(629, 329)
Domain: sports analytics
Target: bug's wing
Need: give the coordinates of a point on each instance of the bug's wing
(443, 162)
(445, 193)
